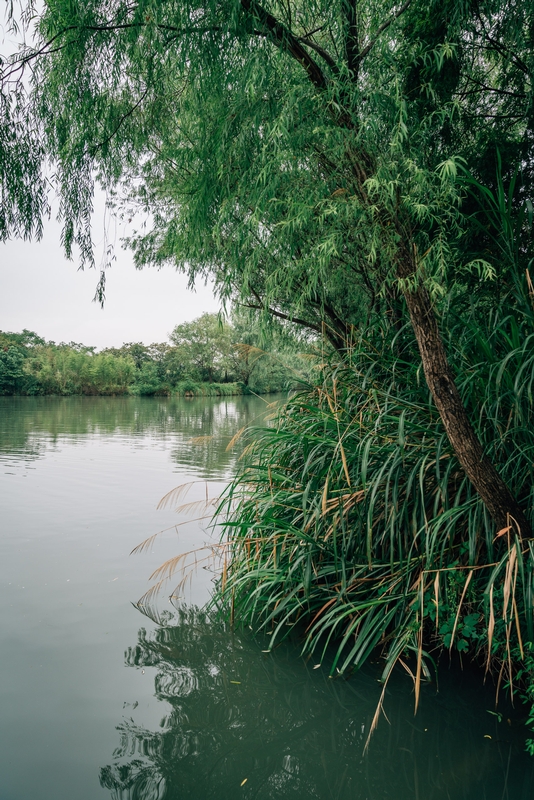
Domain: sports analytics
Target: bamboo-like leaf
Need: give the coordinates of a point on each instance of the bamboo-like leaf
(468, 580)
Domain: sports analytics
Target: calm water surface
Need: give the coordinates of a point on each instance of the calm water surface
(98, 701)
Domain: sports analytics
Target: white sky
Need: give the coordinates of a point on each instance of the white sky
(42, 291)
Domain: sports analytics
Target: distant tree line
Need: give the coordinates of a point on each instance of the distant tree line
(206, 356)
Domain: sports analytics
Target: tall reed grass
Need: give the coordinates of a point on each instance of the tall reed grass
(352, 520)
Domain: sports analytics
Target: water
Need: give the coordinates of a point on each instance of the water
(98, 701)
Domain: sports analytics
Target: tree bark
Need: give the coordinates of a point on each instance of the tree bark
(493, 491)
(485, 479)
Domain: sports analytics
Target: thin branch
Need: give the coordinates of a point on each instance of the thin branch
(381, 28)
(519, 95)
(124, 117)
(322, 52)
(285, 40)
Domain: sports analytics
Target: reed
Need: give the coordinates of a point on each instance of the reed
(352, 521)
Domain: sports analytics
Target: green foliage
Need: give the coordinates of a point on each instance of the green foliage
(285, 149)
(11, 370)
(528, 695)
(206, 358)
(353, 520)
(203, 347)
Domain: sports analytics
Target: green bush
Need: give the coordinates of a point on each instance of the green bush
(11, 370)
(353, 521)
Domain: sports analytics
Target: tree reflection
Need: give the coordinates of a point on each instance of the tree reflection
(28, 425)
(235, 713)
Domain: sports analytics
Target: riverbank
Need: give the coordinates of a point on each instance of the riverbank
(352, 523)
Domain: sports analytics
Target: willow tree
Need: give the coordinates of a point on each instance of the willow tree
(303, 154)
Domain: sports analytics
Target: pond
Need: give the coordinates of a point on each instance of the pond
(99, 701)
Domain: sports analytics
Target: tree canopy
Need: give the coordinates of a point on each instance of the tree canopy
(285, 148)
(328, 163)
(205, 356)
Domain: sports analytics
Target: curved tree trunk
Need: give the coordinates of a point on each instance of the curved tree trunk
(485, 479)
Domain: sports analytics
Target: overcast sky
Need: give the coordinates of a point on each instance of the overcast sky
(42, 291)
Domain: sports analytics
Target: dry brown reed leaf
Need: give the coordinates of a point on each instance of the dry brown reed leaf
(509, 657)
(224, 574)
(346, 501)
(316, 617)
(324, 506)
(149, 596)
(140, 548)
(235, 438)
(460, 607)
(491, 628)
(344, 460)
(407, 668)
(379, 708)
(330, 403)
(511, 569)
(246, 450)
(518, 628)
(196, 505)
(176, 494)
(168, 568)
(249, 350)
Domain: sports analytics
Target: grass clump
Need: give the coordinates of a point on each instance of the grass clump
(352, 520)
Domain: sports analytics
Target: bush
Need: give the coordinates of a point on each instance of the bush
(353, 521)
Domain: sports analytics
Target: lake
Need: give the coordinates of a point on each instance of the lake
(100, 701)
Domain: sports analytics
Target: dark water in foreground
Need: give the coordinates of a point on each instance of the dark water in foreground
(97, 701)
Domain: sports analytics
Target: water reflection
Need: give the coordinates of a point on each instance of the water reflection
(238, 722)
(29, 426)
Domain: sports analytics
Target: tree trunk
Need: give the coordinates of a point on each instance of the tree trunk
(493, 491)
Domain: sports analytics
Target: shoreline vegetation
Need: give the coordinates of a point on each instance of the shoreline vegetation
(207, 357)
(352, 522)
(362, 171)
